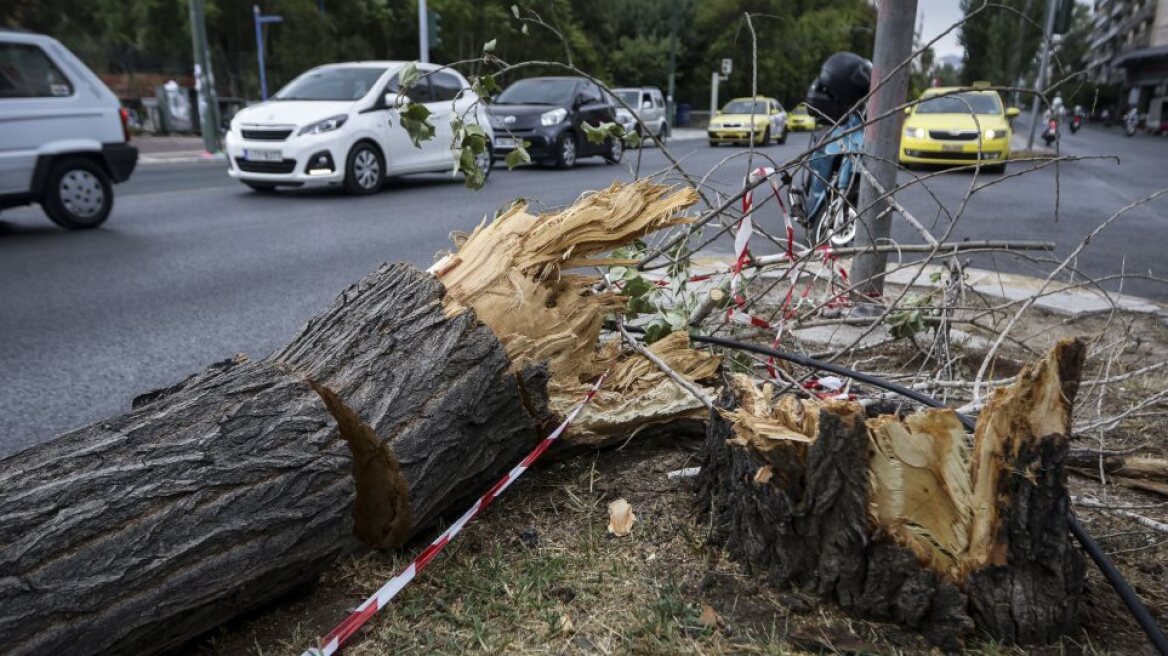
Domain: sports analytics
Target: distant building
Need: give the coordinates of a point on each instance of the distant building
(1129, 47)
(956, 61)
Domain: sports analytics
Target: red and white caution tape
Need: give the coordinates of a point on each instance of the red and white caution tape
(333, 641)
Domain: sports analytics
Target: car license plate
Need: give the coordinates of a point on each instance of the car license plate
(253, 155)
(952, 148)
(506, 142)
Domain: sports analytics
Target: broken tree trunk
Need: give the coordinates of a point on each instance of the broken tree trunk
(230, 489)
(896, 519)
(226, 491)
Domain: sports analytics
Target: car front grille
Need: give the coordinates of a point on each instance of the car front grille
(283, 166)
(265, 135)
(947, 135)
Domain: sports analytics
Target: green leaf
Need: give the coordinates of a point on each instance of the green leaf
(524, 29)
(517, 157)
(656, 331)
(617, 272)
(485, 85)
(633, 140)
(489, 46)
(637, 287)
(414, 119)
(515, 10)
(408, 76)
(416, 112)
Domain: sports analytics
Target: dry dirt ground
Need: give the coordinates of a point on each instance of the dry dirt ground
(538, 572)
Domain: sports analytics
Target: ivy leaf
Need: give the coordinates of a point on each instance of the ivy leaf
(517, 157)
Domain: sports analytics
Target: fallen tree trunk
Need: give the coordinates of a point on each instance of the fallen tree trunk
(896, 519)
(226, 491)
(1147, 473)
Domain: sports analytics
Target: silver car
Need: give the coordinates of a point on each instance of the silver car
(648, 105)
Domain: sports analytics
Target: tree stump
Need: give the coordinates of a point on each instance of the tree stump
(214, 497)
(895, 518)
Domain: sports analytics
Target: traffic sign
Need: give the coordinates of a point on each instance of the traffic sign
(727, 66)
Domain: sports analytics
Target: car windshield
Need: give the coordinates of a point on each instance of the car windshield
(961, 103)
(631, 97)
(334, 83)
(538, 92)
(800, 110)
(743, 107)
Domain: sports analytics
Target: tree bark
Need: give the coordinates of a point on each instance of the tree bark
(226, 491)
(896, 519)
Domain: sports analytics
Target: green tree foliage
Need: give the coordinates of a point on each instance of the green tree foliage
(1000, 40)
(622, 42)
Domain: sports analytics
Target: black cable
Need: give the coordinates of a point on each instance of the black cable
(1136, 607)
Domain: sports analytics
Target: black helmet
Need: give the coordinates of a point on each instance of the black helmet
(842, 82)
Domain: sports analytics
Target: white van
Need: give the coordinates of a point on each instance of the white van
(338, 125)
(64, 138)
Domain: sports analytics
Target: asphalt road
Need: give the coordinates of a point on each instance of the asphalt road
(192, 267)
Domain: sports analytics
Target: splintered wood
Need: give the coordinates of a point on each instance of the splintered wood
(513, 272)
(898, 518)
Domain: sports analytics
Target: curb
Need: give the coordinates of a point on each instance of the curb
(1059, 298)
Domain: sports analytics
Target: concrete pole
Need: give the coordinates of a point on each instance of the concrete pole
(894, 37)
(423, 33)
(713, 94)
(204, 79)
(1040, 79)
(670, 103)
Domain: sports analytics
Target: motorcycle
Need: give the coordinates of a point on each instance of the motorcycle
(1076, 123)
(1052, 132)
(825, 204)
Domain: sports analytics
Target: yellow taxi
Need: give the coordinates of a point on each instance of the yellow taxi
(800, 119)
(958, 126)
(732, 124)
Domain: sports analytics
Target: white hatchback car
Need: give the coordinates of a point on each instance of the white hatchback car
(64, 137)
(338, 124)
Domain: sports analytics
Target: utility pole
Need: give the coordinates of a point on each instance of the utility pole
(260, 21)
(204, 80)
(894, 31)
(1040, 79)
(670, 104)
(423, 33)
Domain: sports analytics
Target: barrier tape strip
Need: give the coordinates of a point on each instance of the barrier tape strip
(380, 599)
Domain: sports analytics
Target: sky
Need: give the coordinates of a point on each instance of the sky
(940, 14)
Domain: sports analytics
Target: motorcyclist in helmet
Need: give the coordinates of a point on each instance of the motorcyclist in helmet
(836, 96)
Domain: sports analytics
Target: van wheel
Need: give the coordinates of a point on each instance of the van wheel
(616, 150)
(78, 194)
(364, 170)
(782, 136)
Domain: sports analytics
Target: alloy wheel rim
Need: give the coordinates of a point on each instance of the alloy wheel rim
(81, 193)
(366, 168)
(569, 151)
(617, 150)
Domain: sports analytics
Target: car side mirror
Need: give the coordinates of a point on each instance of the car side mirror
(1011, 112)
(908, 110)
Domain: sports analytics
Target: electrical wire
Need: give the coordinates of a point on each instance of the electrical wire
(1129, 597)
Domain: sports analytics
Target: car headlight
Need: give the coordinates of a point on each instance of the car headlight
(554, 117)
(990, 135)
(914, 133)
(327, 125)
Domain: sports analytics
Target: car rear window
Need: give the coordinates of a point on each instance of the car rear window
(538, 91)
(961, 103)
(27, 72)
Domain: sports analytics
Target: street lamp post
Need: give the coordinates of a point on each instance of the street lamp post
(260, 20)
